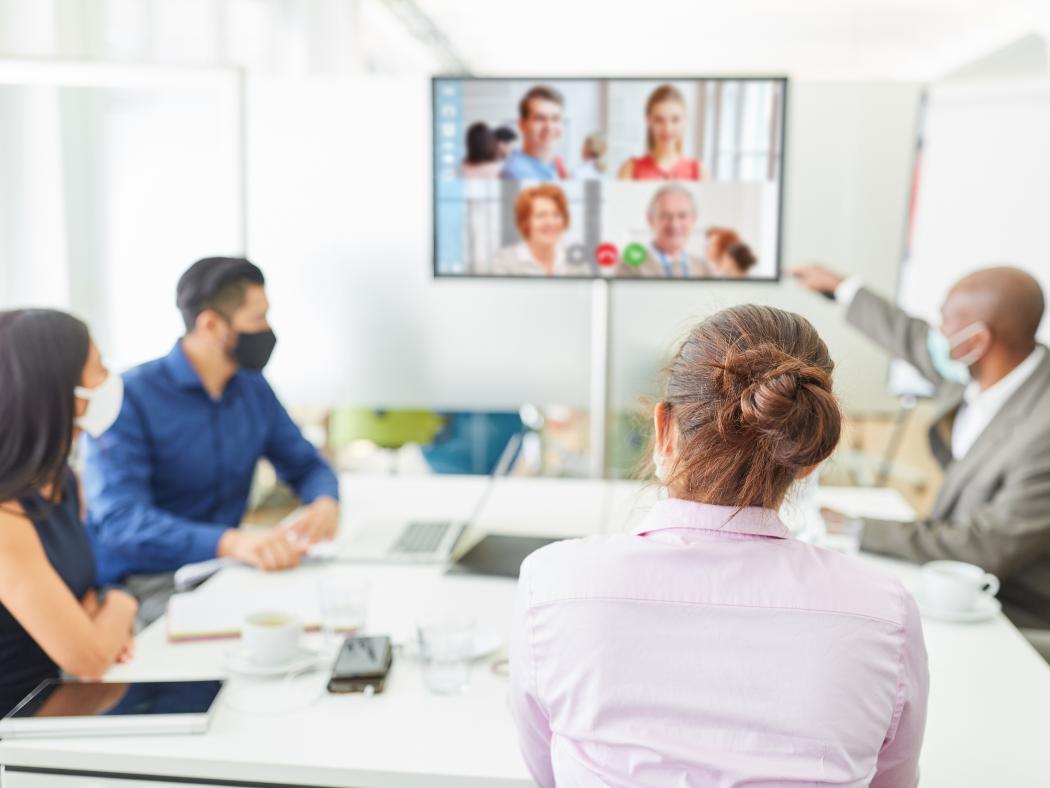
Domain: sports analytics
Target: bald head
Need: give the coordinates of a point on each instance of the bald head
(1007, 300)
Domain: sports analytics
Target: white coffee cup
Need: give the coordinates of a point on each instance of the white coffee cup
(271, 638)
(954, 586)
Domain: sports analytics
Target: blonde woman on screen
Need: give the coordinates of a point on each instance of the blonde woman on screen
(665, 132)
(542, 216)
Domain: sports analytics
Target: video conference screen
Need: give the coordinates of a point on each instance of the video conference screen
(644, 179)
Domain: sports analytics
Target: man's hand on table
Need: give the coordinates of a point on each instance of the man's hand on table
(269, 550)
(317, 522)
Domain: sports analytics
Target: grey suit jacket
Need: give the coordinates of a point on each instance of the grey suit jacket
(993, 508)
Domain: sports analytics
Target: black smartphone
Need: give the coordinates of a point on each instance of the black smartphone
(362, 662)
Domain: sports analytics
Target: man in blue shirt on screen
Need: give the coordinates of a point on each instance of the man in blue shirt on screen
(540, 121)
(168, 483)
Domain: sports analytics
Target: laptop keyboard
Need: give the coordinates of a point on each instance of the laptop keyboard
(421, 537)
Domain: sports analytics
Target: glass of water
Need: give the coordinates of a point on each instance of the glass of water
(343, 601)
(446, 646)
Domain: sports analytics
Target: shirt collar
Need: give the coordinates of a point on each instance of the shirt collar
(539, 164)
(182, 371)
(996, 395)
(525, 256)
(680, 513)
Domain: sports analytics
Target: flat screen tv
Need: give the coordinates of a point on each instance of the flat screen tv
(638, 179)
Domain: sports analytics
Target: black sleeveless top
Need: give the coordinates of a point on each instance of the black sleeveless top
(23, 664)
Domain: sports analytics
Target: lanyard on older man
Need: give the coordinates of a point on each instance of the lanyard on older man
(683, 261)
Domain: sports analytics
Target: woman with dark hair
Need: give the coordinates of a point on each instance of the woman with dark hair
(710, 647)
(481, 160)
(52, 386)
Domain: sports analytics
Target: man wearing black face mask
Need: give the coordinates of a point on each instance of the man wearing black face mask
(168, 483)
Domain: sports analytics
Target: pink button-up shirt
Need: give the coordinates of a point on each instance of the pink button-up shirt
(712, 649)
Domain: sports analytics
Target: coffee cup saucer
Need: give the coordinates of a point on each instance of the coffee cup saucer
(986, 607)
(239, 660)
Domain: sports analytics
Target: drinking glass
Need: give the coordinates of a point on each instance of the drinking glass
(446, 645)
(343, 602)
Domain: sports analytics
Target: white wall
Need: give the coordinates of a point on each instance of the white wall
(970, 217)
(339, 218)
(117, 179)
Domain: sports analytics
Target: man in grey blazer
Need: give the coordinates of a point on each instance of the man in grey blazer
(991, 434)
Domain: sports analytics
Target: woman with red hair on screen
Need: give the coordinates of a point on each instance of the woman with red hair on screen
(736, 262)
(728, 256)
(718, 240)
(542, 216)
(665, 133)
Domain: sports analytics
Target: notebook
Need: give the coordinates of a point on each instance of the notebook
(218, 609)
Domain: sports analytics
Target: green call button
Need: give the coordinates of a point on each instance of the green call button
(634, 254)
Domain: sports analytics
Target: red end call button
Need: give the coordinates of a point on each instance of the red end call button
(606, 254)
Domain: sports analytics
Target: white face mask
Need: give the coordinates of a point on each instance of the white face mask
(955, 370)
(103, 407)
(661, 471)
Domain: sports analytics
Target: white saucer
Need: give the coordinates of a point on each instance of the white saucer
(485, 643)
(987, 607)
(239, 661)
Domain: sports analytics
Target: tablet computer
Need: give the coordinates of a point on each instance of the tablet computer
(97, 708)
(499, 555)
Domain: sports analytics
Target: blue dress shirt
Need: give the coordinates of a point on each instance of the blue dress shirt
(174, 471)
(520, 166)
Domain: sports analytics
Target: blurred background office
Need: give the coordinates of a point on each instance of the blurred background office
(139, 135)
(894, 147)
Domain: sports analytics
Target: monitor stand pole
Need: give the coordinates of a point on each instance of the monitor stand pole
(599, 375)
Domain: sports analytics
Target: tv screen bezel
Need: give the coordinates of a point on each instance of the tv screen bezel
(778, 269)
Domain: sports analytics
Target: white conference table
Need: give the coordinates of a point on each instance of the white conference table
(989, 717)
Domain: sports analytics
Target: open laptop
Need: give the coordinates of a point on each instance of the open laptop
(418, 541)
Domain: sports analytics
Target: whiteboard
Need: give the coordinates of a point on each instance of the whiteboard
(981, 197)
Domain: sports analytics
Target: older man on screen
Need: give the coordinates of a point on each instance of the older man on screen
(672, 218)
(991, 433)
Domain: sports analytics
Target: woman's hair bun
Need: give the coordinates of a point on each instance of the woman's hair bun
(750, 395)
(783, 402)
